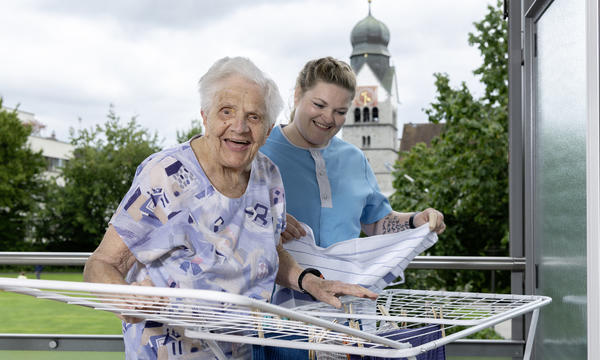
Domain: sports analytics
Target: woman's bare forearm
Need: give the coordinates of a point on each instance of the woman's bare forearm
(110, 262)
(392, 223)
(395, 222)
(289, 270)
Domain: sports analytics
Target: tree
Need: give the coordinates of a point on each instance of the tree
(96, 179)
(21, 182)
(465, 171)
(195, 129)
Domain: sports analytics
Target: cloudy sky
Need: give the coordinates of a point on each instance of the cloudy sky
(68, 60)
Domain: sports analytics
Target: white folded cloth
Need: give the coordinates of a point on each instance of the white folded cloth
(373, 262)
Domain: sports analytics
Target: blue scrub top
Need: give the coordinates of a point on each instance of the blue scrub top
(332, 188)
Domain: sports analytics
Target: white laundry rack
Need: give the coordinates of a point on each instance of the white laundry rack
(361, 327)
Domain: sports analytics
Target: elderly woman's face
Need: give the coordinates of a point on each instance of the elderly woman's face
(236, 124)
(321, 112)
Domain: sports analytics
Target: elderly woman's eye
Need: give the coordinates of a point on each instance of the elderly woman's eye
(254, 118)
(227, 112)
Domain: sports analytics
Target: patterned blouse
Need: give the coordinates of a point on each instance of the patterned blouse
(185, 234)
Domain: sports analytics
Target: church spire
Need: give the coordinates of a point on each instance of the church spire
(370, 38)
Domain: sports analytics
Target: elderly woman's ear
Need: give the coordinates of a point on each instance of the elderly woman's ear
(204, 118)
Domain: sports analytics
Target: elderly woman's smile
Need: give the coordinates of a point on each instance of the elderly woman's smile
(237, 145)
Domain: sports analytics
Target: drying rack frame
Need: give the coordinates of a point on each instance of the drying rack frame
(217, 316)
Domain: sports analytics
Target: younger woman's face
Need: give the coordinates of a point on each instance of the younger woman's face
(320, 112)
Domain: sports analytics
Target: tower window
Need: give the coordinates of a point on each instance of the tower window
(357, 115)
(366, 141)
(366, 114)
(375, 114)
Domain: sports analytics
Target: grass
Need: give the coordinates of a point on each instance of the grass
(29, 315)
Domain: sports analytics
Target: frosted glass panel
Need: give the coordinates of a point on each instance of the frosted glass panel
(559, 183)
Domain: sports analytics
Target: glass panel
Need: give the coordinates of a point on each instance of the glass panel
(559, 184)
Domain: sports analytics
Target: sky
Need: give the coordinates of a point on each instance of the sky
(68, 61)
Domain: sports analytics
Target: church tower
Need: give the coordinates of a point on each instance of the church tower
(371, 120)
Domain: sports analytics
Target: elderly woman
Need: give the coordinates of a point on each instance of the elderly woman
(208, 214)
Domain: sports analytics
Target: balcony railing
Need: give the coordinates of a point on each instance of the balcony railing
(78, 342)
(419, 262)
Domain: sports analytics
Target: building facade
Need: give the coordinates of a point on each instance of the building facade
(56, 153)
(371, 120)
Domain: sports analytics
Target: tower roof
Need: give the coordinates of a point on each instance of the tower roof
(370, 36)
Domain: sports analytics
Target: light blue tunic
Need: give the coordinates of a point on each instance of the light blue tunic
(332, 189)
(185, 234)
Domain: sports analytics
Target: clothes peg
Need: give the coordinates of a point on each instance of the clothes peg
(384, 311)
(432, 221)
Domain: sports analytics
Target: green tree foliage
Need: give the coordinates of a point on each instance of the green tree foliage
(21, 182)
(464, 173)
(195, 129)
(96, 179)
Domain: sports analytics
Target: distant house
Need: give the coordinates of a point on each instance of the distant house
(56, 153)
(413, 134)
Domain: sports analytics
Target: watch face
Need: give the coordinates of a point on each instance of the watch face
(366, 96)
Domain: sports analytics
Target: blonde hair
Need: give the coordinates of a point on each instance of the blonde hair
(329, 70)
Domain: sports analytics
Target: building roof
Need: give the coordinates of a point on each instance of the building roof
(387, 81)
(370, 36)
(413, 134)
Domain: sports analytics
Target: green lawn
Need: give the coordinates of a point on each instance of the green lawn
(29, 315)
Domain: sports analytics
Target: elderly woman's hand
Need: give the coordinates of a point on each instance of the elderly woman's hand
(293, 229)
(328, 291)
(146, 304)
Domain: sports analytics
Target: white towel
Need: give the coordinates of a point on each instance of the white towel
(373, 262)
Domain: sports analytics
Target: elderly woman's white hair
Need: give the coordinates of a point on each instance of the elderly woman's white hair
(225, 67)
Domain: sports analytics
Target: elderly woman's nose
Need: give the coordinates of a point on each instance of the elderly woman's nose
(239, 124)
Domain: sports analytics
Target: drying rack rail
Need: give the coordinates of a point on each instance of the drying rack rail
(400, 323)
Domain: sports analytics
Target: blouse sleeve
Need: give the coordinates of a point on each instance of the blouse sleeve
(377, 205)
(150, 208)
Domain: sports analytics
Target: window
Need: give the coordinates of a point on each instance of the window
(366, 114)
(366, 141)
(555, 141)
(54, 164)
(357, 115)
(375, 114)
